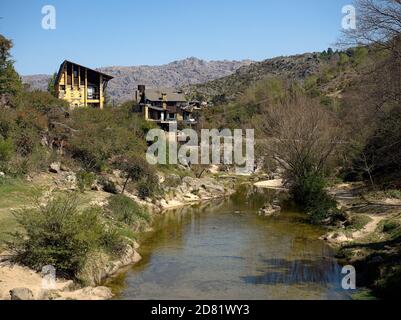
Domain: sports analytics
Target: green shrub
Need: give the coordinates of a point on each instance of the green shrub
(103, 135)
(85, 180)
(43, 103)
(394, 193)
(137, 169)
(6, 150)
(309, 192)
(126, 210)
(389, 226)
(113, 241)
(358, 222)
(359, 55)
(57, 234)
(388, 285)
(145, 190)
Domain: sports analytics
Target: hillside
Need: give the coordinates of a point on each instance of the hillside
(297, 67)
(175, 74)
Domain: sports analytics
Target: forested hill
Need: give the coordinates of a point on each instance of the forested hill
(297, 67)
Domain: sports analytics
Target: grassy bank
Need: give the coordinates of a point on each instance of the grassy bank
(14, 193)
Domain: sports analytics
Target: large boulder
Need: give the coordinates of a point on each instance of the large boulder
(21, 294)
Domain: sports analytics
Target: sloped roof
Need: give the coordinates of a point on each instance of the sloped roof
(171, 95)
(106, 76)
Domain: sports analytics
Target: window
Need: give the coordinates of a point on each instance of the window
(91, 92)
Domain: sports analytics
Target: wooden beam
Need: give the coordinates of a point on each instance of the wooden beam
(86, 87)
(101, 91)
(72, 76)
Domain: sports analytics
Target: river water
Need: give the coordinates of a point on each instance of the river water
(225, 250)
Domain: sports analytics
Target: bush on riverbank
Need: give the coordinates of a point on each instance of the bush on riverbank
(62, 235)
(309, 193)
(127, 211)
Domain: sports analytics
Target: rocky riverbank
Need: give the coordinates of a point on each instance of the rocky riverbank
(369, 239)
(21, 283)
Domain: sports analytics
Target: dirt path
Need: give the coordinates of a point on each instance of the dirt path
(352, 198)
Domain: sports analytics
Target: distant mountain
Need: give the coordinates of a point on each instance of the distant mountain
(297, 67)
(37, 81)
(176, 74)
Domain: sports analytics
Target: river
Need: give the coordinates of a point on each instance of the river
(225, 250)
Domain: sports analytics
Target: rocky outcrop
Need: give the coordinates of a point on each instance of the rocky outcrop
(190, 190)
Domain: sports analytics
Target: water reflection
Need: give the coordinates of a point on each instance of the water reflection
(224, 250)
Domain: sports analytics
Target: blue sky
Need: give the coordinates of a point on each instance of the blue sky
(104, 33)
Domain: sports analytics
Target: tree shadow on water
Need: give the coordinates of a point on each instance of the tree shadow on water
(282, 271)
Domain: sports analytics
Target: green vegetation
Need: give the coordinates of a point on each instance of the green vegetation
(85, 180)
(329, 116)
(137, 169)
(125, 210)
(390, 227)
(57, 234)
(309, 192)
(65, 236)
(13, 194)
(358, 222)
(10, 81)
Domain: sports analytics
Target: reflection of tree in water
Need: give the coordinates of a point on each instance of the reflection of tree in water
(251, 198)
(296, 272)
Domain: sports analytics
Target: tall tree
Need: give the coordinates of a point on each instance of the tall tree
(10, 81)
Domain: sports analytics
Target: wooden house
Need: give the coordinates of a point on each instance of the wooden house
(81, 86)
(164, 106)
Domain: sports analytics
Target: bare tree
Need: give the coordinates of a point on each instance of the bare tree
(378, 22)
(379, 27)
(303, 135)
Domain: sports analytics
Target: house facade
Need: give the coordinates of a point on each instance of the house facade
(81, 86)
(164, 106)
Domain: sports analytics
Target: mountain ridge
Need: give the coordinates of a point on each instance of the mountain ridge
(176, 74)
